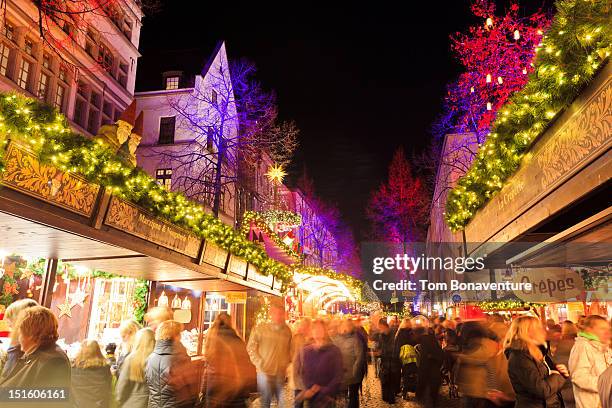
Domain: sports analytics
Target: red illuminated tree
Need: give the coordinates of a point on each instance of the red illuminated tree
(497, 55)
(398, 209)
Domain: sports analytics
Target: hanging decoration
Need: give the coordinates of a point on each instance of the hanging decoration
(186, 303)
(574, 48)
(65, 308)
(176, 302)
(276, 173)
(262, 222)
(162, 301)
(507, 305)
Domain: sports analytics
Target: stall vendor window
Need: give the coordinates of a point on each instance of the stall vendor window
(112, 303)
(215, 304)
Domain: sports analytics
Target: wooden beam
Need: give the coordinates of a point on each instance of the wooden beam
(48, 282)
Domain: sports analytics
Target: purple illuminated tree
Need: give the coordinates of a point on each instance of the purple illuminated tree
(398, 208)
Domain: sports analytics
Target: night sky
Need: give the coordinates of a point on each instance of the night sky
(359, 80)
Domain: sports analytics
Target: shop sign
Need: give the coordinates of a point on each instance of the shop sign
(27, 175)
(235, 297)
(557, 157)
(213, 255)
(130, 219)
(549, 284)
(237, 266)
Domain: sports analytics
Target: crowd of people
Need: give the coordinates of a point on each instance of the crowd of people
(489, 363)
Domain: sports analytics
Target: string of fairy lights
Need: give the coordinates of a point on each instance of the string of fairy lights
(48, 135)
(573, 49)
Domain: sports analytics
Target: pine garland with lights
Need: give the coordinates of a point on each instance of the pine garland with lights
(47, 133)
(262, 223)
(574, 48)
(282, 217)
(510, 304)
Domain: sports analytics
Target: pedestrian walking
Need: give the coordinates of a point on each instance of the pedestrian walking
(132, 390)
(127, 331)
(91, 377)
(352, 360)
(320, 364)
(269, 348)
(569, 331)
(589, 358)
(230, 376)
(535, 382)
(404, 348)
(169, 373)
(390, 366)
(430, 360)
(301, 338)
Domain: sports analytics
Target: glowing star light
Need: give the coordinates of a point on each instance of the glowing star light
(276, 173)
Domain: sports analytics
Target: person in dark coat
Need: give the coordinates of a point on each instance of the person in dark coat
(131, 389)
(352, 360)
(13, 353)
(169, 374)
(43, 364)
(320, 365)
(91, 377)
(390, 366)
(430, 360)
(536, 383)
(569, 331)
(230, 375)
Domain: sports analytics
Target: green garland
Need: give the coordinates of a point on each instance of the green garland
(575, 47)
(512, 304)
(140, 300)
(49, 136)
(262, 223)
(281, 216)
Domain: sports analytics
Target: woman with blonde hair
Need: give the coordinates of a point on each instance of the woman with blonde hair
(13, 353)
(91, 376)
(127, 331)
(535, 381)
(132, 389)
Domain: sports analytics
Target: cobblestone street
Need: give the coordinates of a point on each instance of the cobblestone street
(371, 397)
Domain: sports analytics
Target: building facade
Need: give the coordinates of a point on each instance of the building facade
(85, 66)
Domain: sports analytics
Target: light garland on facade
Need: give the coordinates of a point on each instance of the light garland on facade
(512, 304)
(47, 133)
(261, 221)
(575, 47)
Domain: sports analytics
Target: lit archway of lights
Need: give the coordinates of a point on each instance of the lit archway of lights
(327, 290)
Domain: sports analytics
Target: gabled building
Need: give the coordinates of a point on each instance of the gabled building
(183, 123)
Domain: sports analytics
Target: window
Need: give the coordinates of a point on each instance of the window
(63, 74)
(59, 97)
(164, 177)
(210, 141)
(166, 130)
(9, 31)
(93, 121)
(95, 99)
(122, 73)
(105, 57)
(213, 97)
(79, 112)
(24, 73)
(89, 49)
(172, 82)
(46, 61)
(4, 58)
(28, 46)
(43, 85)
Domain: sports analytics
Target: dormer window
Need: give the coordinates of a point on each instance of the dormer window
(172, 82)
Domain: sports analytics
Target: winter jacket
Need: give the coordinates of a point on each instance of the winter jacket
(230, 376)
(91, 387)
(298, 342)
(48, 366)
(167, 372)
(473, 368)
(535, 387)
(562, 353)
(352, 357)
(269, 348)
(130, 394)
(588, 359)
(604, 384)
(322, 366)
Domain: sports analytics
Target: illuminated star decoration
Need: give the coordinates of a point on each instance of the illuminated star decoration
(276, 173)
(65, 308)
